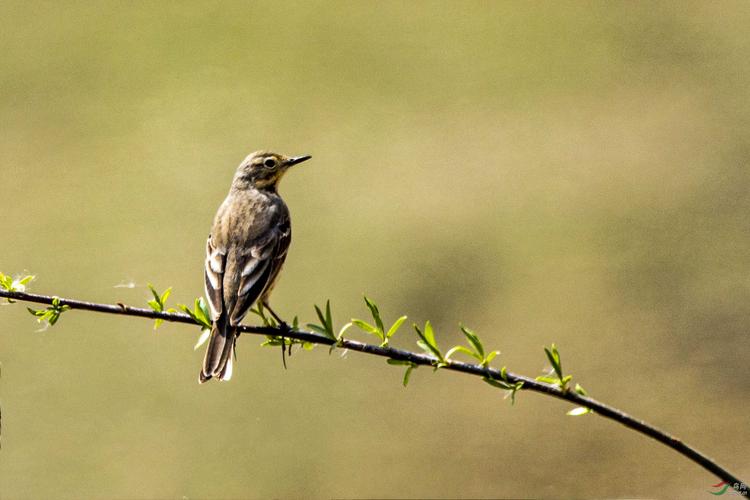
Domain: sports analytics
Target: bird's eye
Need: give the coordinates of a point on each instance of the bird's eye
(269, 162)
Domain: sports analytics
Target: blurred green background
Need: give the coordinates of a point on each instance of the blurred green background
(542, 171)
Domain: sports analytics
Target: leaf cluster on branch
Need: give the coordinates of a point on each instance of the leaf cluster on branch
(554, 383)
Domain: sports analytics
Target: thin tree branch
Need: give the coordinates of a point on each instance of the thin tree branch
(529, 384)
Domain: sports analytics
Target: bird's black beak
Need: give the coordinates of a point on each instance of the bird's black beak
(297, 159)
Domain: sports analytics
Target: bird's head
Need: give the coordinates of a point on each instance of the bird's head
(264, 170)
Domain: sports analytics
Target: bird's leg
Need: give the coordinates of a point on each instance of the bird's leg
(283, 326)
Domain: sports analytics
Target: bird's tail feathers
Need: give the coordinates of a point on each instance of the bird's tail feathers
(219, 358)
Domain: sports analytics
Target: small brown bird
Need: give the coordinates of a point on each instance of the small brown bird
(244, 253)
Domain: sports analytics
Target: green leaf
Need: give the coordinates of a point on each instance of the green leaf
(580, 390)
(498, 383)
(343, 330)
(165, 295)
(271, 341)
(326, 320)
(157, 298)
(157, 303)
(317, 328)
(392, 361)
(205, 309)
(329, 318)
(410, 367)
(460, 348)
(555, 353)
(550, 357)
(321, 317)
(197, 314)
(516, 388)
(202, 313)
(429, 334)
(396, 325)
(367, 327)
(554, 358)
(581, 410)
(427, 341)
(25, 280)
(14, 285)
(376, 316)
(407, 374)
(490, 357)
(547, 380)
(51, 314)
(474, 341)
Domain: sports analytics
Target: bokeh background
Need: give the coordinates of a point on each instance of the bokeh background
(543, 172)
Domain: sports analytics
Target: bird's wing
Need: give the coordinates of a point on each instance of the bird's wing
(284, 231)
(259, 266)
(216, 258)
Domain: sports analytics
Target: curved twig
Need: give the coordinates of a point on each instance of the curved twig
(529, 384)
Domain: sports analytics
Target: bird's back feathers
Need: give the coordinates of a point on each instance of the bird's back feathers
(244, 254)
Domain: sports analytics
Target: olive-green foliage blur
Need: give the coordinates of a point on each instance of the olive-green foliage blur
(568, 172)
